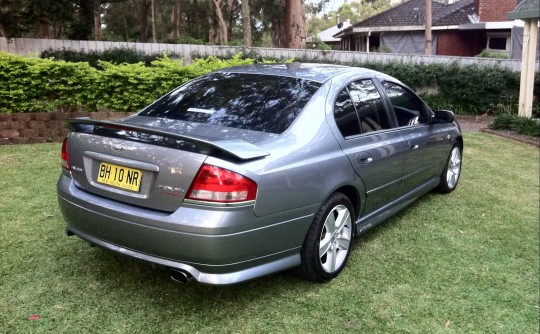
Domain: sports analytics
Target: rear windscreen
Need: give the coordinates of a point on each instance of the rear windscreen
(245, 101)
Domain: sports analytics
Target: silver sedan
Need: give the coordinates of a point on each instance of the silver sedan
(251, 170)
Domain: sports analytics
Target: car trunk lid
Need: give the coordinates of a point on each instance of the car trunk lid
(145, 164)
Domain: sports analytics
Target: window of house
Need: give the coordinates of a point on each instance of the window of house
(498, 42)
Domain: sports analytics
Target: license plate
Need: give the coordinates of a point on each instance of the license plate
(120, 176)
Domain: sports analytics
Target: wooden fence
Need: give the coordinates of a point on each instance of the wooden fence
(26, 46)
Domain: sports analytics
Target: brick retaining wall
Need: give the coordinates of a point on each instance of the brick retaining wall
(26, 128)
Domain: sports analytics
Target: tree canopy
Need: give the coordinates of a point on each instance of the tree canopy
(276, 23)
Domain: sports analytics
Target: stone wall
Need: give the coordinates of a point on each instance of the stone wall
(26, 128)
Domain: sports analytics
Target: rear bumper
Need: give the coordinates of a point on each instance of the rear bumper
(215, 246)
(201, 277)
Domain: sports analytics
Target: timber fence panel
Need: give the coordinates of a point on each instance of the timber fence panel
(3, 44)
(33, 46)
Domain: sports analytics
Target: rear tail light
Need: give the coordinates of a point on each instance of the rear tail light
(215, 184)
(65, 156)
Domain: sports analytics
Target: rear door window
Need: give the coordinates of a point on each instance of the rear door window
(245, 101)
(345, 115)
(359, 109)
(369, 106)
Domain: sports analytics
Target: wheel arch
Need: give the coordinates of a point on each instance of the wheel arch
(460, 141)
(353, 195)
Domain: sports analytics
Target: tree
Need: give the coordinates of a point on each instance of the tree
(12, 18)
(246, 23)
(175, 20)
(295, 25)
(82, 24)
(427, 48)
(153, 13)
(37, 18)
(222, 30)
(98, 35)
(144, 7)
(221, 20)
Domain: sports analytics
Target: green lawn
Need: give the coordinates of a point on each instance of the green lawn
(467, 262)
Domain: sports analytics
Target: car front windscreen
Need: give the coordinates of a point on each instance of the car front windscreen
(245, 101)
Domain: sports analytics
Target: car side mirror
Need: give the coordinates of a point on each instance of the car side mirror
(442, 116)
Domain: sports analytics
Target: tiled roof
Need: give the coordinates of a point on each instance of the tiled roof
(411, 13)
(454, 14)
(526, 9)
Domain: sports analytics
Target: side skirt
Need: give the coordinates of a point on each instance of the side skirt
(383, 213)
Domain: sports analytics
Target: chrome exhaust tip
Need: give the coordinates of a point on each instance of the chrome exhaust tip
(179, 276)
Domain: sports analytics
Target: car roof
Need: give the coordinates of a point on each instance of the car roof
(307, 71)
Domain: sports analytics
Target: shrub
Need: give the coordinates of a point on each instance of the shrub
(492, 54)
(522, 125)
(30, 84)
(114, 56)
(383, 49)
(476, 88)
(316, 44)
(34, 85)
(190, 40)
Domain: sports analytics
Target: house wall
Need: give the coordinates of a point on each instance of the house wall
(494, 10)
(460, 43)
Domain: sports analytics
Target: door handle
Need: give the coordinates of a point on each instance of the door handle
(412, 145)
(364, 159)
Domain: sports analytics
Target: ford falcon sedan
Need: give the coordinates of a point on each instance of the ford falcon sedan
(252, 170)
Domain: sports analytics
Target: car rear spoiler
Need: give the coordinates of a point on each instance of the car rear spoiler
(239, 149)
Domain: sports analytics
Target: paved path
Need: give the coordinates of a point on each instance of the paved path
(473, 123)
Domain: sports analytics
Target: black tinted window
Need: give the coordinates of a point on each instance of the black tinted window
(245, 101)
(345, 115)
(409, 108)
(369, 106)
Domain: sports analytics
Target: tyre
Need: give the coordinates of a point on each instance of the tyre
(451, 172)
(328, 241)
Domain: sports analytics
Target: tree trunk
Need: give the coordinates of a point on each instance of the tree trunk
(246, 23)
(427, 48)
(295, 24)
(222, 37)
(97, 21)
(125, 22)
(175, 20)
(2, 30)
(144, 5)
(44, 25)
(153, 5)
(230, 23)
(278, 34)
(212, 38)
(85, 23)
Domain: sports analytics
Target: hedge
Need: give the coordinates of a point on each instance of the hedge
(470, 89)
(114, 55)
(42, 85)
(36, 85)
(521, 125)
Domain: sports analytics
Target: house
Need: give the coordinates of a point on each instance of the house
(461, 28)
(327, 36)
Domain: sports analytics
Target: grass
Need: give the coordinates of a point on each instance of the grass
(461, 263)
